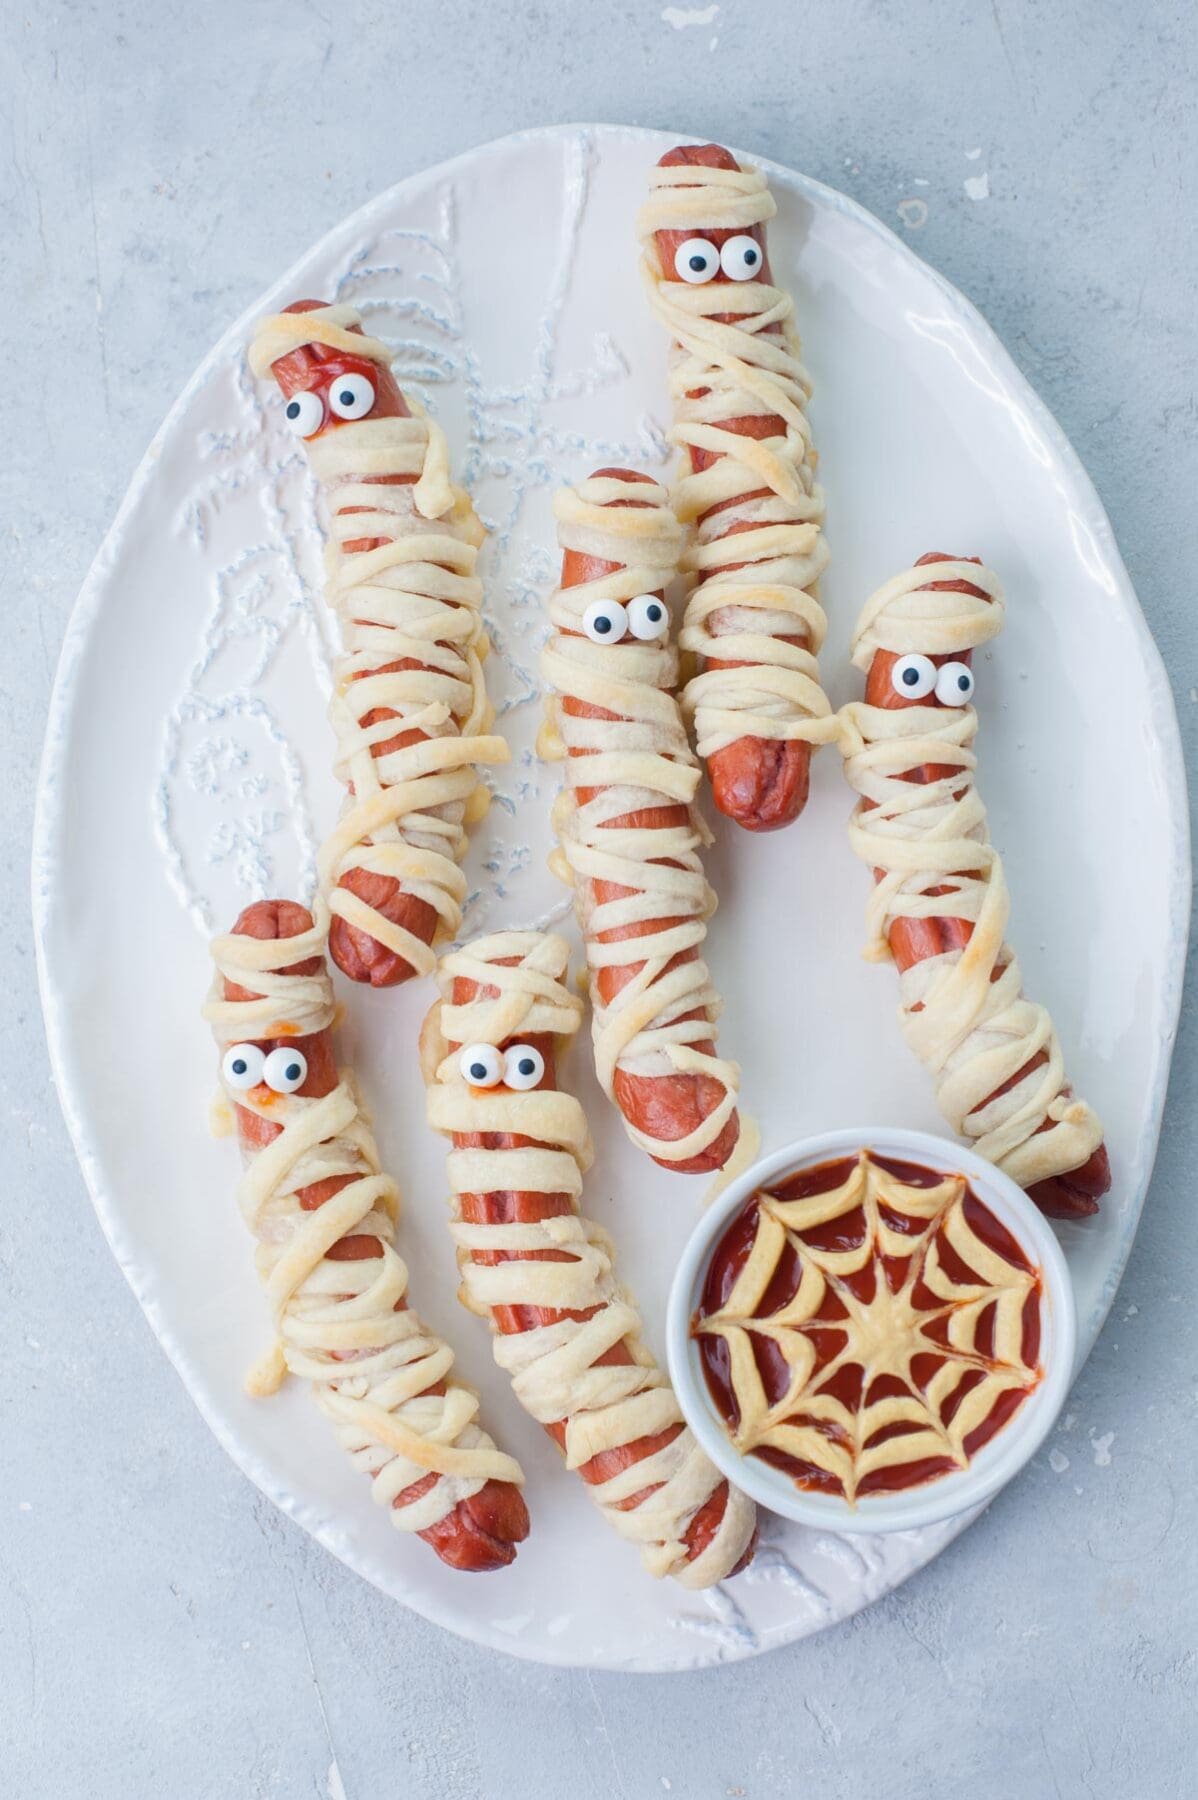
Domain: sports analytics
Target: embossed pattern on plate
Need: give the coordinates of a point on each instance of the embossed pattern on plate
(187, 770)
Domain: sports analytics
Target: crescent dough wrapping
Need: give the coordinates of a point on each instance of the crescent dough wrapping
(722, 371)
(369, 1364)
(555, 1368)
(964, 1013)
(639, 759)
(414, 598)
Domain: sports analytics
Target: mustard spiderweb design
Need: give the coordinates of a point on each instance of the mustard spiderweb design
(939, 1341)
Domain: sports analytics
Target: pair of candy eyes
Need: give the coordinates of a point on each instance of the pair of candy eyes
(607, 621)
(245, 1066)
(915, 677)
(698, 260)
(485, 1066)
(350, 397)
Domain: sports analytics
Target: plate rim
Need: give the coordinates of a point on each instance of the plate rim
(84, 618)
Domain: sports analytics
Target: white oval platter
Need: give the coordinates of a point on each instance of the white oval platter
(187, 770)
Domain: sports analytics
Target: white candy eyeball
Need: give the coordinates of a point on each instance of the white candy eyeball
(242, 1066)
(351, 396)
(523, 1066)
(481, 1065)
(696, 261)
(304, 413)
(605, 622)
(648, 618)
(740, 258)
(954, 684)
(286, 1069)
(914, 677)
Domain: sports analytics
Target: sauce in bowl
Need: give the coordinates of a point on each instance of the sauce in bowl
(868, 1325)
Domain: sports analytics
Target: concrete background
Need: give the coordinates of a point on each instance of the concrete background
(162, 1629)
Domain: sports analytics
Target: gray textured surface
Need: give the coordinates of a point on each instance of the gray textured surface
(162, 1629)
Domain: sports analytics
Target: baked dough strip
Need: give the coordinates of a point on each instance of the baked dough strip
(343, 1326)
(770, 505)
(416, 598)
(637, 759)
(563, 1262)
(963, 1012)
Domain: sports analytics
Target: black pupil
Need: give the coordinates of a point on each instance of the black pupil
(293, 1071)
(654, 614)
(750, 257)
(293, 411)
(911, 676)
(347, 397)
(963, 683)
(698, 262)
(526, 1066)
(239, 1066)
(602, 624)
(479, 1071)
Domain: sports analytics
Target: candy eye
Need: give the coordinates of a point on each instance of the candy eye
(481, 1065)
(351, 396)
(285, 1070)
(605, 622)
(304, 413)
(648, 618)
(913, 677)
(696, 260)
(740, 258)
(523, 1066)
(954, 684)
(242, 1066)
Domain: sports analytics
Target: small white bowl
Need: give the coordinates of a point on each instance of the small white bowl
(997, 1461)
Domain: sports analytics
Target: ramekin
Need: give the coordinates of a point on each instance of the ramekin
(999, 1460)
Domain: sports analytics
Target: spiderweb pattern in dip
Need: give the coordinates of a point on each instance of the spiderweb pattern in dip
(868, 1325)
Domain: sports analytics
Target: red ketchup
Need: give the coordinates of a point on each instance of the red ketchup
(922, 1327)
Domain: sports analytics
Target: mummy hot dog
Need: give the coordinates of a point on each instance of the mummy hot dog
(410, 710)
(567, 1334)
(747, 484)
(630, 837)
(940, 903)
(324, 1215)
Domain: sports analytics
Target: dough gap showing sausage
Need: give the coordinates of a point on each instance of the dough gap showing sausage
(747, 484)
(629, 831)
(939, 907)
(409, 708)
(566, 1332)
(324, 1214)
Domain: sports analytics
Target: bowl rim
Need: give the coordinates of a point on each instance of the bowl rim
(997, 1462)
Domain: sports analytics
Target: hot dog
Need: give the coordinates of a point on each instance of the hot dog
(630, 835)
(542, 1273)
(748, 484)
(940, 902)
(325, 1215)
(402, 578)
